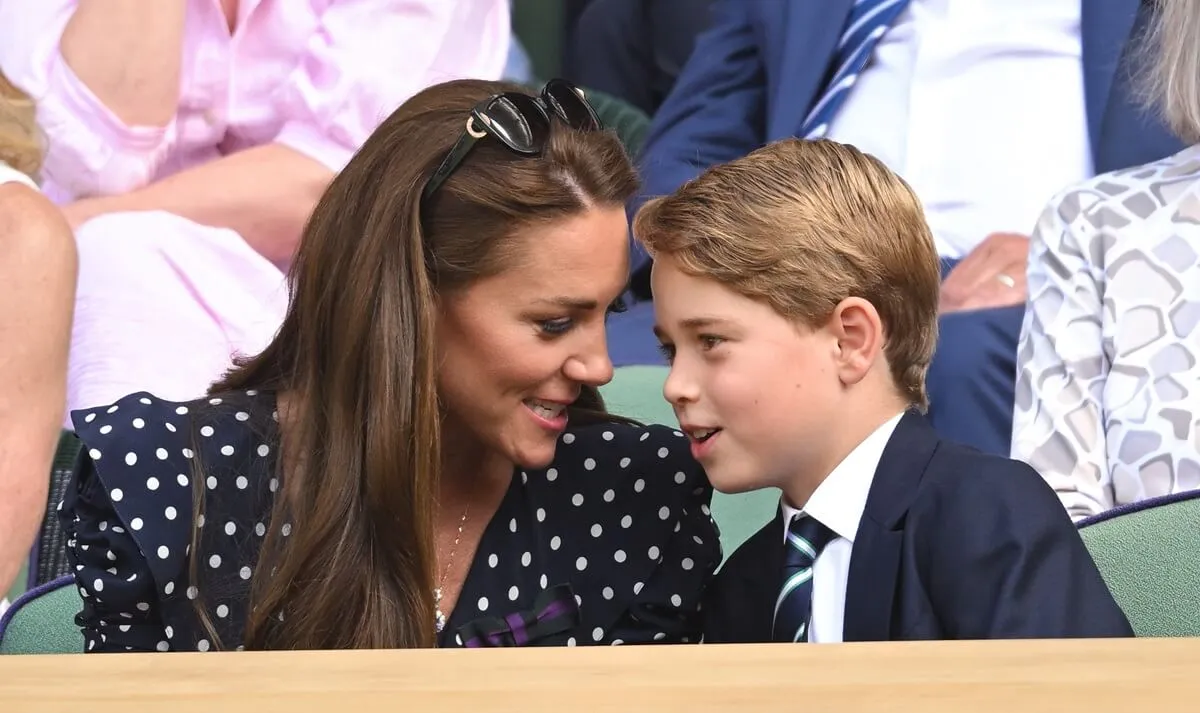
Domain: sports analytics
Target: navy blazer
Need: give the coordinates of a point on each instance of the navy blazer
(953, 544)
(754, 75)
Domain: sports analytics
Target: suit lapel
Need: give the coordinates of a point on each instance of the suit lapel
(810, 33)
(1105, 26)
(875, 563)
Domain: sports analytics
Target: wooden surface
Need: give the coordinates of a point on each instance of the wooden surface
(1132, 676)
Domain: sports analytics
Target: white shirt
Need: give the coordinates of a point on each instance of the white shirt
(979, 105)
(8, 174)
(838, 504)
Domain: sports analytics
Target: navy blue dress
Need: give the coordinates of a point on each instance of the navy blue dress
(612, 543)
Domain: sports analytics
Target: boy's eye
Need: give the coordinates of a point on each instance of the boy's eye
(710, 341)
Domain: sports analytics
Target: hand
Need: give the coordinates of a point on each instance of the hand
(992, 275)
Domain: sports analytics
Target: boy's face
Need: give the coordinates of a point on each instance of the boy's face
(752, 390)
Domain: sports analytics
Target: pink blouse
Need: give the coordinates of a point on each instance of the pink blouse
(314, 75)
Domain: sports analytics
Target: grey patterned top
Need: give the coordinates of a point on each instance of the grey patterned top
(1108, 384)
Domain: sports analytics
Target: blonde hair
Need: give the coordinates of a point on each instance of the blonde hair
(20, 141)
(1173, 77)
(803, 225)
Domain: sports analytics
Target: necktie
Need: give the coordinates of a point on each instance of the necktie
(869, 20)
(805, 539)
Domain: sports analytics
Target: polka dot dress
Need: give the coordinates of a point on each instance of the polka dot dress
(612, 543)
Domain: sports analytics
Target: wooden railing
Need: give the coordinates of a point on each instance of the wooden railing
(1129, 676)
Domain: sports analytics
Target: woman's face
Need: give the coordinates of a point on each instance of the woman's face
(516, 348)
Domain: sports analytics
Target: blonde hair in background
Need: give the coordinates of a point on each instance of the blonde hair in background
(20, 140)
(801, 226)
(1173, 79)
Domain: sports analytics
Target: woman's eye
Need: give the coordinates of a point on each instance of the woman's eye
(618, 306)
(556, 326)
(668, 352)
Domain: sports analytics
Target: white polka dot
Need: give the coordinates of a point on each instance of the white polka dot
(230, 528)
(170, 632)
(211, 482)
(244, 573)
(625, 462)
(607, 435)
(639, 485)
(286, 529)
(688, 563)
(163, 552)
(568, 438)
(115, 495)
(273, 484)
(653, 552)
(214, 561)
(113, 408)
(660, 636)
(202, 645)
(182, 479)
(637, 587)
(597, 634)
(105, 429)
(571, 641)
(241, 482)
(555, 542)
(541, 514)
(169, 589)
(513, 593)
(597, 530)
(226, 450)
(136, 523)
(680, 477)
(526, 558)
(512, 525)
(552, 474)
(145, 401)
(161, 453)
(645, 435)
(192, 592)
(543, 581)
(589, 463)
(89, 418)
(139, 423)
(260, 529)
(483, 604)
(152, 483)
(493, 560)
(617, 642)
(581, 564)
(98, 585)
(170, 512)
(162, 646)
(664, 452)
(619, 555)
(103, 527)
(181, 410)
(626, 522)
(94, 454)
(200, 521)
(206, 431)
(242, 416)
(222, 611)
(131, 458)
(607, 592)
(170, 427)
(697, 540)
(187, 453)
(577, 499)
(263, 451)
(664, 512)
(676, 600)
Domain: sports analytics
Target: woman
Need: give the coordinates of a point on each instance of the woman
(37, 268)
(1107, 397)
(189, 141)
(420, 457)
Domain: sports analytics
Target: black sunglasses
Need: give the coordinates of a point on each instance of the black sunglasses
(520, 122)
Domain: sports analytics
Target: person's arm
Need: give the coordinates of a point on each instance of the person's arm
(37, 269)
(1058, 419)
(716, 111)
(1005, 561)
(367, 58)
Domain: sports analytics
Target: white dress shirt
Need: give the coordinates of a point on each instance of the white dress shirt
(838, 504)
(979, 105)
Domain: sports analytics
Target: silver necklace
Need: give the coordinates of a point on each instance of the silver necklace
(439, 617)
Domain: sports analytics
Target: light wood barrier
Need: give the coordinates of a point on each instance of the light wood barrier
(1130, 676)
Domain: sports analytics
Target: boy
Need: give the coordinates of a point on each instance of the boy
(796, 295)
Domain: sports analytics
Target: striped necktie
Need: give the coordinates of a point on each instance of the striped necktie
(805, 539)
(869, 20)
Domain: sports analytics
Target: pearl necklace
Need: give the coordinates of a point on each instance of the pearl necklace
(439, 617)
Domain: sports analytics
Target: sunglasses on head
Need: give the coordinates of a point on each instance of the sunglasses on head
(520, 122)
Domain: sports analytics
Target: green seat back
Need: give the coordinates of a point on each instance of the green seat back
(43, 621)
(1149, 555)
(636, 392)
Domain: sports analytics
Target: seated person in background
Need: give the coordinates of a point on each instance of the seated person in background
(190, 140)
(37, 268)
(1108, 387)
(796, 295)
(986, 107)
(421, 456)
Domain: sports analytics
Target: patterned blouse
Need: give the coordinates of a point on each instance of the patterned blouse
(1108, 384)
(612, 543)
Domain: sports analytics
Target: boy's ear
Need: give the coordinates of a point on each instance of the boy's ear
(859, 332)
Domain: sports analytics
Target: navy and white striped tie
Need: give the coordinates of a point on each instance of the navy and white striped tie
(805, 539)
(869, 20)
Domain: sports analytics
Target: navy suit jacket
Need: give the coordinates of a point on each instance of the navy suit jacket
(754, 75)
(953, 544)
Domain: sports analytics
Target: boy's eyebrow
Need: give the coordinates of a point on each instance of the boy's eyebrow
(694, 324)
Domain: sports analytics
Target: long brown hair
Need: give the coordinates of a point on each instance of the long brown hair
(20, 139)
(356, 355)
